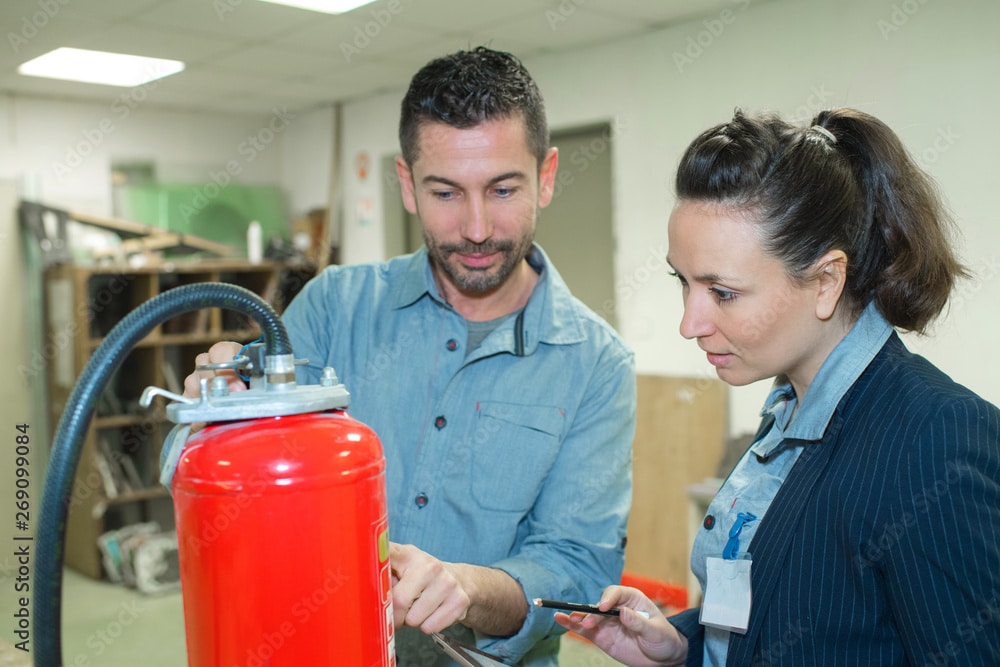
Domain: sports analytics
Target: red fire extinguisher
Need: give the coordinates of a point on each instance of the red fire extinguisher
(282, 527)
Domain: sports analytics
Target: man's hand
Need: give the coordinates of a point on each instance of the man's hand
(219, 353)
(430, 594)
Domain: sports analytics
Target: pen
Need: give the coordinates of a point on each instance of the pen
(585, 608)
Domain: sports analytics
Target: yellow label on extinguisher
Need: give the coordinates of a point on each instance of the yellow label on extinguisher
(383, 546)
(385, 588)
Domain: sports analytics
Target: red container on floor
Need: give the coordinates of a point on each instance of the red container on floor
(283, 544)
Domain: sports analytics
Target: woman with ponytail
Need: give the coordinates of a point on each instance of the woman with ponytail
(862, 526)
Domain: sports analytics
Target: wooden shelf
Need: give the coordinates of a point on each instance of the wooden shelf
(118, 421)
(158, 340)
(115, 482)
(150, 493)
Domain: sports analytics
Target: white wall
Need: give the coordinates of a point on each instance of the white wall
(61, 152)
(370, 127)
(928, 68)
(306, 158)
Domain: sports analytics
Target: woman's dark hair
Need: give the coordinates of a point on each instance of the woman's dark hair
(845, 182)
(467, 88)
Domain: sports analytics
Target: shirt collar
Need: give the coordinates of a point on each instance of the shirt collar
(550, 310)
(417, 281)
(839, 371)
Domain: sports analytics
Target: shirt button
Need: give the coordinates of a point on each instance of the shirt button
(421, 500)
(709, 522)
(440, 422)
(452, 345)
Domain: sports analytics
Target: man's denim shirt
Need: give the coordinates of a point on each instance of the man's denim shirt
(515, 456)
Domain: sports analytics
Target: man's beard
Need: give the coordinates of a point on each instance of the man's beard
(473, 279)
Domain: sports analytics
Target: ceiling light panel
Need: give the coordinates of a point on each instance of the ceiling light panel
(110, 69)
(325, 6)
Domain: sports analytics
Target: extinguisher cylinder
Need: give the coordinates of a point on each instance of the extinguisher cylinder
(283, 543)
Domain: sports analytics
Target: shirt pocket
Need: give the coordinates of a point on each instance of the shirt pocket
(514, 446)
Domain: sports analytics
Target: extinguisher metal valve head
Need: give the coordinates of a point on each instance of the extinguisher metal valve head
(266, 400)
(219, 386)
(279, 369)
(218, 404)
(329, 377)
(279, 363)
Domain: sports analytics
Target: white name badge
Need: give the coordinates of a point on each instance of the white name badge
(726, 603)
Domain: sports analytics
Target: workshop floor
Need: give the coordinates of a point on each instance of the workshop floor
(109, 625)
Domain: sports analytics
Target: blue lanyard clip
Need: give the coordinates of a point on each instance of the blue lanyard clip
(732, 549)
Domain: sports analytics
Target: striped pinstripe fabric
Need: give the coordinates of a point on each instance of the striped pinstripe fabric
(882, 546)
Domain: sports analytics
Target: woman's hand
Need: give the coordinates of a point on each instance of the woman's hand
(629, 637)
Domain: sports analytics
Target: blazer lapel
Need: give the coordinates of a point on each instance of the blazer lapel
(774, 536)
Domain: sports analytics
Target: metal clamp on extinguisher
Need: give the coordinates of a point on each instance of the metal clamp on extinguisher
(273, 392)
(279, 505)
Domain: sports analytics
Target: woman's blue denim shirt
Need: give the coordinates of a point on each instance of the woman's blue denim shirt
(755, 480)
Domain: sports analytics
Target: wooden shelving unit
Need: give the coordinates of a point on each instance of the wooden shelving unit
(83, 304)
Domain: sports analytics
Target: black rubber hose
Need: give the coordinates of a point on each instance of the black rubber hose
(76, 418)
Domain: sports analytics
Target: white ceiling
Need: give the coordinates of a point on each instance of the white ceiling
(250, 56)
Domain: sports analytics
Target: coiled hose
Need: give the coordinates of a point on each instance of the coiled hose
(76, 419)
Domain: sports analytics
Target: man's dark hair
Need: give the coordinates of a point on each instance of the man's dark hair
(467, 88)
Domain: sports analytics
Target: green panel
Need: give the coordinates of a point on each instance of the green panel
(217, 214)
